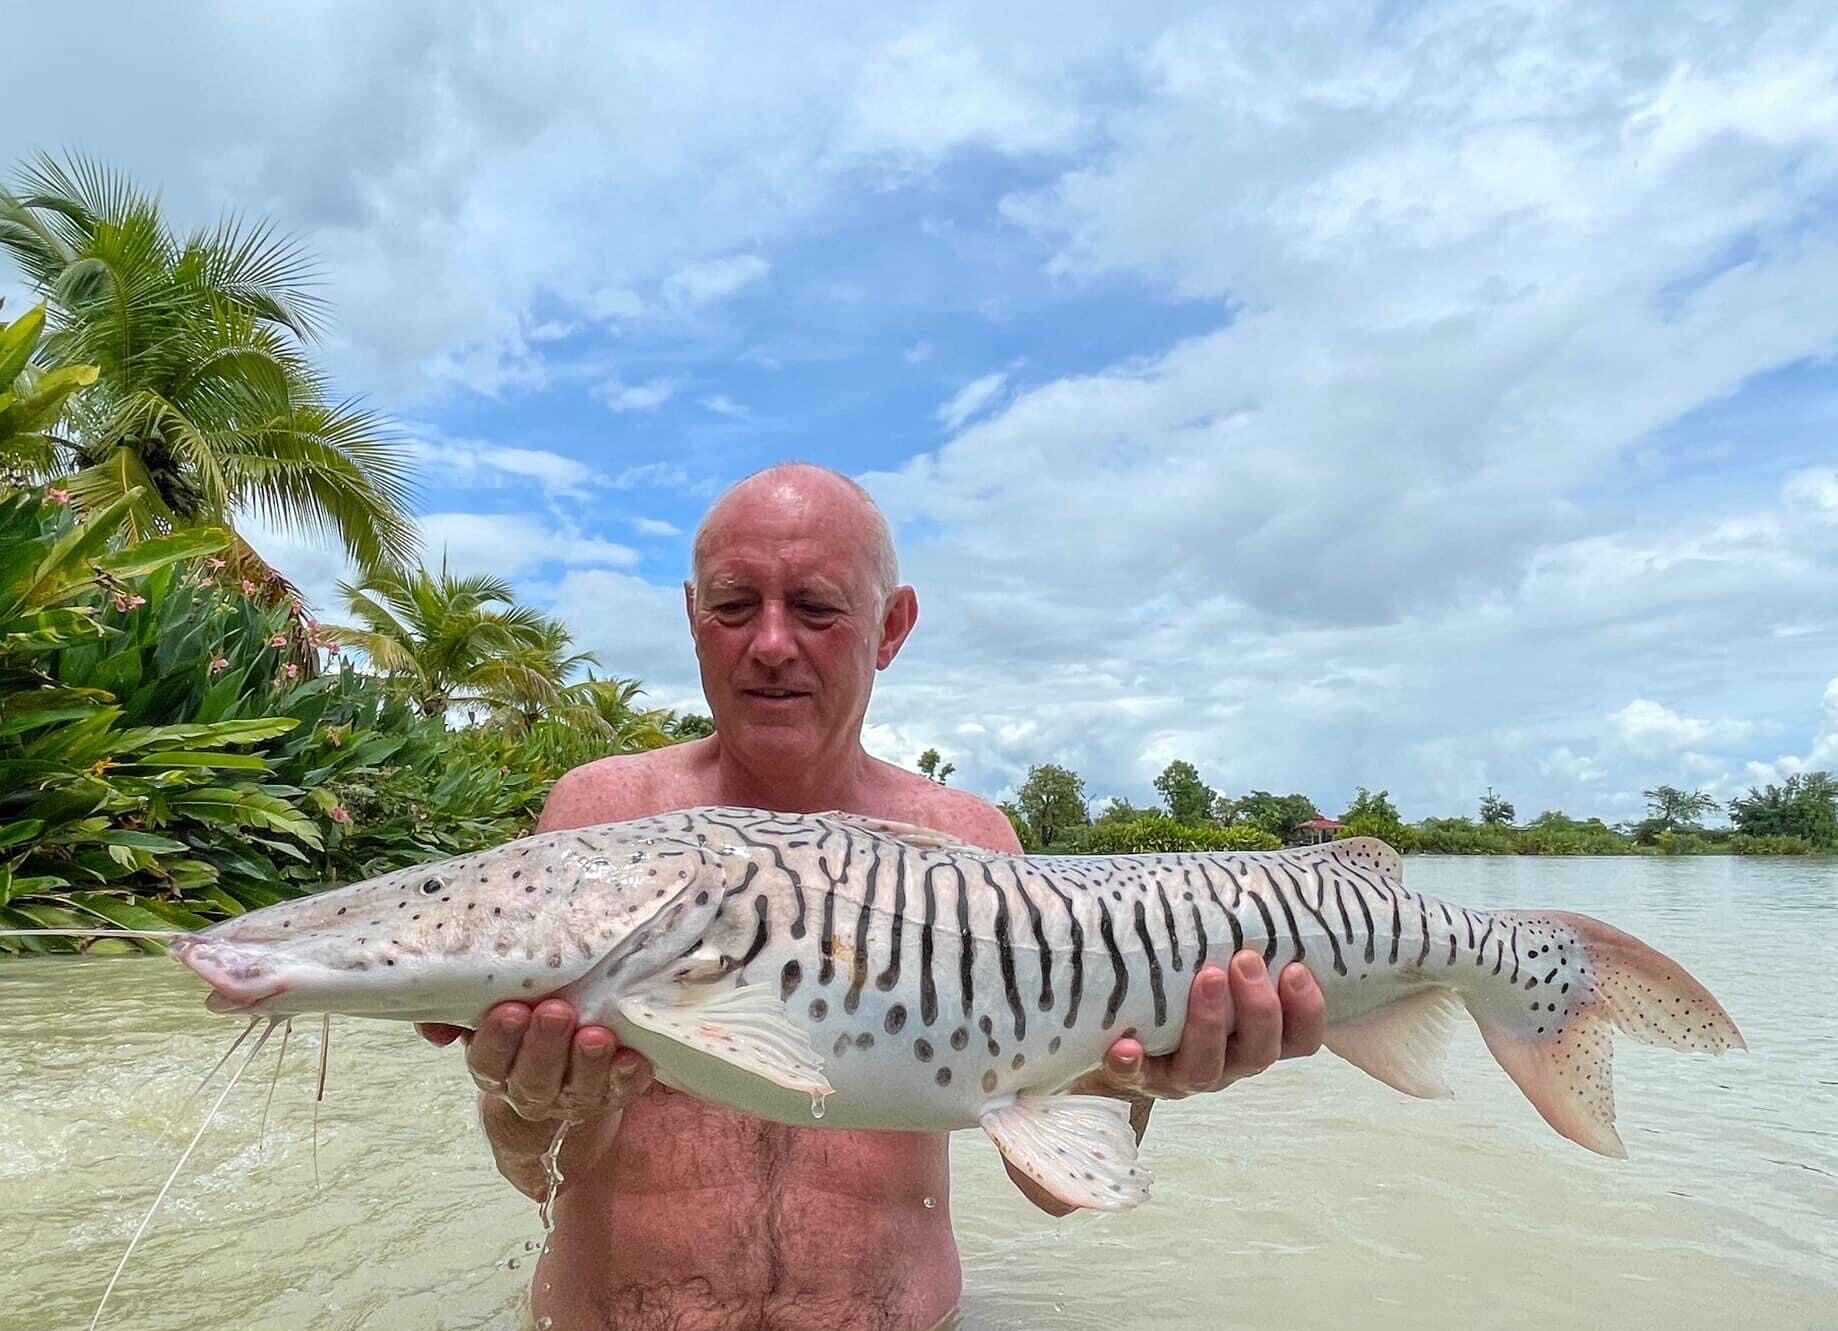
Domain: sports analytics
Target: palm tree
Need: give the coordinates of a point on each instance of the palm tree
(205, 400)
(449, 640)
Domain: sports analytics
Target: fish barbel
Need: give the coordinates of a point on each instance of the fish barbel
(839, 971)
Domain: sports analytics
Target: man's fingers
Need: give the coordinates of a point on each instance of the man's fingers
(494, 1047)
(1257, 1039)
(1304, 1011)
(542, 1060)
(1198, 1064)
(590, 1069)
(438, 1034)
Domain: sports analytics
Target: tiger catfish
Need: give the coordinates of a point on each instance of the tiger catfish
(848, 972)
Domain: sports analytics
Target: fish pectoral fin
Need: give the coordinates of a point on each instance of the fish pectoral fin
(1080, 1148)
(1402, 1043)
(920, 838)
(744, 1025)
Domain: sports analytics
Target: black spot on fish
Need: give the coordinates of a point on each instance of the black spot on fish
(864, 1041)
(896, 1018)
(959, 1038)
(922, 1050)
(819, 1009)
(429, 888)
(841, 1046)
(944, 1077)
(788, 979)
(1053, 1045)
(989, 1080)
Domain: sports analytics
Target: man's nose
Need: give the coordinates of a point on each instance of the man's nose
(773, 643)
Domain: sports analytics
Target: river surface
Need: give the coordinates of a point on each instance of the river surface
(1309, 1197)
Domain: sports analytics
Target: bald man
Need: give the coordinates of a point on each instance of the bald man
(683, 1215)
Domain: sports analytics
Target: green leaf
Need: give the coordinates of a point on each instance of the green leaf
(142, 841)
(18, 341)
(145, 556)
(26, 829)
(242, 762)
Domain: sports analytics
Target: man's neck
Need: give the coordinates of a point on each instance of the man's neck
(837, 783)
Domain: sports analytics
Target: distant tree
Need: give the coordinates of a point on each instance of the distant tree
(1225, 810)
(1670, 809)
(1376, 816)
(1023, 833)
(1495, 811)
(692, 725)
(1280, 815)
(1805, 805)
(1119, 810)
(1052, 802)
(1186, 798)
(928, 764)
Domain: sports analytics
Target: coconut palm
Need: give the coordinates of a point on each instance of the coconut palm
(205, 399)
(447, 640)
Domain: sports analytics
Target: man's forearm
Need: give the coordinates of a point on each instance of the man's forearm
(518, 1145)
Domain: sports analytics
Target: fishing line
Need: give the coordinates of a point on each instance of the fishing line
(185, 1155)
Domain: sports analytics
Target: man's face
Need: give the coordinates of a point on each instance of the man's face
(788, 622)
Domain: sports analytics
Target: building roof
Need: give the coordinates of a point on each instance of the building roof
(1322, 823)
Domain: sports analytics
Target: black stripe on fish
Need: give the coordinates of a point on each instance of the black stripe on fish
(1076, 954)
(966, 956)
(1269, 925)
(928, 987)
(760, 909)
(1514, 977)
(858, 964)
(1341, 901)
(746, 880)
(1122, 983)
(1340, 965)
(827, 944)
(1044, 952)
(1155, 965)
(1005, 953)
(1423, 915)
(1199, 928)
(1289, 915)
(1231, 916)
(889, 977)
(1480, 953)
(1174, 937)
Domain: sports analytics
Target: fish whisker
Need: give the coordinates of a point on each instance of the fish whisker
(218, 1067)
(184, 1155)
(261, 1134)
(325, 1048)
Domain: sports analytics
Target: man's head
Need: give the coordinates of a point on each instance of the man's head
(794, 604)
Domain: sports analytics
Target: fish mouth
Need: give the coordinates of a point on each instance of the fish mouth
(239, 981)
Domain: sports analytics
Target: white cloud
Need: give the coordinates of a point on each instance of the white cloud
(647, 396)
(1821, 757)
(1653, 729)
(655, 527)
(723, 405)
(509, 545)
(710, 280)
(970, 400)
(474, 463)
(649, 475)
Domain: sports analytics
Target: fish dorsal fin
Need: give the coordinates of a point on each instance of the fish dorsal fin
(920, 838)
(1368, 852)
(744, 1026)
(1080, 1148)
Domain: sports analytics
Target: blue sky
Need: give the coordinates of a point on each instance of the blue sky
(1427, 396)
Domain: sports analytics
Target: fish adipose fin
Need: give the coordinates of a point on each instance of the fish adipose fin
(1080, 1148)
(1402, 1043)
(1367, 852)
(744, 1026)
(1558, 1045)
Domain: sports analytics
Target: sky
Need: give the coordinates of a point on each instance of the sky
(1428, 397)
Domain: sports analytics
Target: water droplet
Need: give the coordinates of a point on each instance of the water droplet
(544, 1323)
(529, 1245)
(514, 1263)
(817, 1104)
(551, 1163)
(930, 1203)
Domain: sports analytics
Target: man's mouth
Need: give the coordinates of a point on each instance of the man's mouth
(775, 694)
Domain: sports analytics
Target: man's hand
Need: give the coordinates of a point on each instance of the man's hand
(544, 1066)
(1237, 1025)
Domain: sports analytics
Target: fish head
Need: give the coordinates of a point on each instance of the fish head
(445, 941)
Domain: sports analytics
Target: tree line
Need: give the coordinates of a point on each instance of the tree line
(1052, 813)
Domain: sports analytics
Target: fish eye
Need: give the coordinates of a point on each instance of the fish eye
(432, 886)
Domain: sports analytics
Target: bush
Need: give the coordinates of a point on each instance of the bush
(1773, 845)
(1156, 833)
(1463, 836)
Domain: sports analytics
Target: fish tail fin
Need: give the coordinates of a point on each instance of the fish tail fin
(1574, 981)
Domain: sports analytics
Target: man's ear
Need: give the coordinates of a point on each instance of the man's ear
(897, 621)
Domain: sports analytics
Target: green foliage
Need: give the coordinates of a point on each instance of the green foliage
(1802, 809)
(204, 402)
(1496, 812)
(1773, 845)
(1463, 836)
(1281, 816)
(1376, 816)
(31, 401)
(1186, 798)
(1052, 803)
(1554, 833)
(1670, 809)
(1156, 833)
(1119, 810)
(928, 765)
(1023, 834)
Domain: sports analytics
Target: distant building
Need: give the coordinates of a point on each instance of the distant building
(1316, 830)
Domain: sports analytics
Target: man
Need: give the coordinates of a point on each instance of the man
(680, 1214)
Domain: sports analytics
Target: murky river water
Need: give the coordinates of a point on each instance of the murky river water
(1311, 1197)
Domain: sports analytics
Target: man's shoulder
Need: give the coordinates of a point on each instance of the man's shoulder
(621, 786)
(958, 813)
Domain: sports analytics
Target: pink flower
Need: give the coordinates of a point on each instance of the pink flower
(335, 739)
(339, 814)
(129, 602)
(331, 649)
(136, 600)
(216, 563)
(278, 640)
(248, 587)
(57, 496)
(312, 626)
(292, 672)
(220, 665)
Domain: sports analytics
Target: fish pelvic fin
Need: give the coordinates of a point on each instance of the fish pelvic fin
(1080, 1148)
(1553, 1031)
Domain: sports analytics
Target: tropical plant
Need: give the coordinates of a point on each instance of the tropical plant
(448, 640)
(929, 767)
(1156, 834)
(31, 401)
(1802, 808)
(1376, 816)
(1495, 811)
(1670, 809)
(206, 406)
(1281, 816)
(1052, 803)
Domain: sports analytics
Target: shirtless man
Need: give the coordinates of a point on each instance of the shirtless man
(679, 1214)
